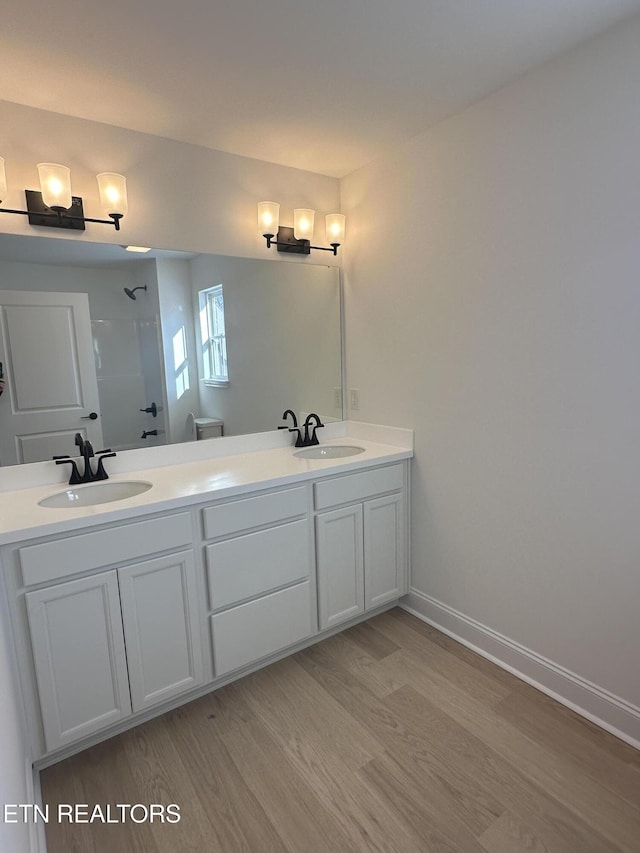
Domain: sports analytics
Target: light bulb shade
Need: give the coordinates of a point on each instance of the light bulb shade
(113, 193)
(334, 224)
(303, 223)
(268, 217)
(55, 185)
(3, 181)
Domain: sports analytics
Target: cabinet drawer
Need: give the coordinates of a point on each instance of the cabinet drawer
(256, 563)
(51, 560)
(227, 518)
(258, 628)
(358, 487)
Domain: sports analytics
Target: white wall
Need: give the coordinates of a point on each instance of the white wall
(493, 304)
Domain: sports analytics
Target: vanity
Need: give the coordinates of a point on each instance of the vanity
(121, 610)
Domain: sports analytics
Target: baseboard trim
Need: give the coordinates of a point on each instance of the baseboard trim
(37, 840)
(601, 707)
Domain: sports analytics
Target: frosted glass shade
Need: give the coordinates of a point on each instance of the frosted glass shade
(113, 193)
(303, 223)
(334, 224)
(55, 185)
(3, 181)
(268, 217)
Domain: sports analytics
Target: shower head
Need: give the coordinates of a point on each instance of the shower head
(132, 293)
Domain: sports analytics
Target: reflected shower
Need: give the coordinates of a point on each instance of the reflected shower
(132, 293)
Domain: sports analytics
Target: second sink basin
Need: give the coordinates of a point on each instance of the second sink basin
(95, 493)
(329, 451)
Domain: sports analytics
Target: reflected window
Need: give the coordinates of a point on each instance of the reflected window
(213, 336)
(180, 362)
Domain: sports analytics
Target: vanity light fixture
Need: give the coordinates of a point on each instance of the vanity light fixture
(55, 207)
(141, 250)
(297, 240)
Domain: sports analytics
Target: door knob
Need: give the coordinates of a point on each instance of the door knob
(92, 416)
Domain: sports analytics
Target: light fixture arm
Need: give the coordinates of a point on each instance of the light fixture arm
(57, 214)
(55, 207)
(288, 246)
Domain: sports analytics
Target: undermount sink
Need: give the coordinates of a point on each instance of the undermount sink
(95, 493)
(329, 451)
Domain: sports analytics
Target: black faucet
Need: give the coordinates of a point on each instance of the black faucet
(310, 438)
(294, 428)
(87, 452)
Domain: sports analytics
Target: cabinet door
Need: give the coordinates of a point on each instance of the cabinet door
(79, 657)
(384, 550)
(159, 612)
(340, 565)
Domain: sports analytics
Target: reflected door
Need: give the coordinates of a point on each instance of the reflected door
(47, 354)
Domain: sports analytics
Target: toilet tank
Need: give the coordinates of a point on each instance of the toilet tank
(208, 428)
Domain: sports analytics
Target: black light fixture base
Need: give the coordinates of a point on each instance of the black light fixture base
(286, 242)
(39, 214)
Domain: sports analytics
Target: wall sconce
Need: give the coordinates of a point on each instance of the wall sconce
(55, 207)
(297, 240)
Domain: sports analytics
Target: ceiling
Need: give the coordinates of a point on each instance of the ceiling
(325, 86)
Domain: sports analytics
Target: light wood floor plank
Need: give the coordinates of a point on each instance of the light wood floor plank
(388, 738)
(539, 717)
(296, 707)
(551, 770)
(363, 667)
(302, 821)
(101, 775)
(440, 771)
(509, 835)
(372, 641)
(465, 675)
(453, 746)
(365, 819)
(239, 821)
(426, 811)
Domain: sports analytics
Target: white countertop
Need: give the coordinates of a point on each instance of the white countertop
(191, 482)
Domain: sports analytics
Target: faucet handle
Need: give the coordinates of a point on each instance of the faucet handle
(75, 477)
(299, 439)
(101, 474)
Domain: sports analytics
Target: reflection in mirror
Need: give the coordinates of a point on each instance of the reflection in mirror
(135, 351)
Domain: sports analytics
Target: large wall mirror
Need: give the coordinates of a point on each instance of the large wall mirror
(91, 336)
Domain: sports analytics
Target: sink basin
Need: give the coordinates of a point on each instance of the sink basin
(95, 493)
(329, 451)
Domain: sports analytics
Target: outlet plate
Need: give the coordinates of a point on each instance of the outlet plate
(355, 399)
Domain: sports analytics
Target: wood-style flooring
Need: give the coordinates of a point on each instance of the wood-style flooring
(387, 737)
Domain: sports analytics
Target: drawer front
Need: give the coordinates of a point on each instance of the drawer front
(51, 560)
(358, 487)
(227, 518)
(256, 563)
(258, 628)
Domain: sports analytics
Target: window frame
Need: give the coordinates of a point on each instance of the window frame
(216, 340)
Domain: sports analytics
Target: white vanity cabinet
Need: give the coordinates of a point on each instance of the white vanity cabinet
(113, 642)
(260, 576)
(361, 544)
(114, 621)
(79, 657)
